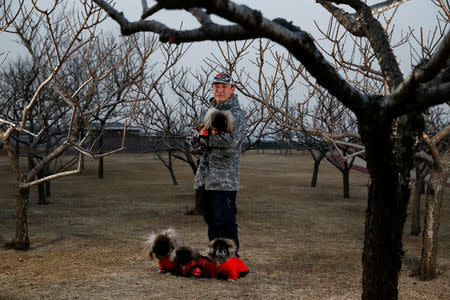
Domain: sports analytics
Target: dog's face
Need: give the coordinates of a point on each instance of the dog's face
(220, 250)
(219, 122)
(162, 244)
(183, 255)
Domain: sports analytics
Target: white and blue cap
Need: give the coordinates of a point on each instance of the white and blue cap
(223, 78)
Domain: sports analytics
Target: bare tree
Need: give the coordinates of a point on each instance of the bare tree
(166, 128)
(114, 90)
(19, 82)
(435, 189)
(437, 119)
(52, 39)
(389, 124)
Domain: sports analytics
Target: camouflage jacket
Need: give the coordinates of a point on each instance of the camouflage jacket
(219, 164)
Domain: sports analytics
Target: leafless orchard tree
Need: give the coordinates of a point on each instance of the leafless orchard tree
(389, 124)
(165, 126)
(433, 159)
(437, 119)
(435, 189)
(68, 34)
(19, 80)
(130, 56)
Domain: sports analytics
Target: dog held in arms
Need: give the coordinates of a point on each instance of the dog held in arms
(222, 252)
(160, 246)
(217, 121)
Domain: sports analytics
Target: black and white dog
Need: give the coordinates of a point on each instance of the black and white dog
(217, 121)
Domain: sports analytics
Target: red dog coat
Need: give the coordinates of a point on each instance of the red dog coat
(202, 267)
(165, 265)
(232, 269)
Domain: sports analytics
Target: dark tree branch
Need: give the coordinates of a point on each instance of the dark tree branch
(152, 10)
(252, 25)
(351, 21)
(379, 42)
(435, 72)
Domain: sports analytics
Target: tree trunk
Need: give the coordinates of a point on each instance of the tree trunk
(41, 190)
(100, 159)
(344, 167)
(81, 135)
(21, 240)
(435, 189)
(17, 148)
(48, 192)
(171, 170)
(346, 182)
(389, 161)
(100, 168)
(317, 160)
(41, 194)
(415, 218)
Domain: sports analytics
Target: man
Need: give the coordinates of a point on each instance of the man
(218, 172)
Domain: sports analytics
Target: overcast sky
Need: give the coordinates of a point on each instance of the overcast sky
(415, 13)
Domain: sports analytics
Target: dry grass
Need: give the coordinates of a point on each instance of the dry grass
(298, 242)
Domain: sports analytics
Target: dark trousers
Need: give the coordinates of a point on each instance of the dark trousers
(219, 212)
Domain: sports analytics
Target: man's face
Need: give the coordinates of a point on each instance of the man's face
(222, 91)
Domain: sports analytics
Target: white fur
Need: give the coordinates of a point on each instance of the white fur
(218, 260)
(151, 240)
(212, 113)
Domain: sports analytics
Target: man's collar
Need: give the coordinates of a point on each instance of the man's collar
(225, 104)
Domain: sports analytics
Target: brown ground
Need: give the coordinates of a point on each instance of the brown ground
(298, 242)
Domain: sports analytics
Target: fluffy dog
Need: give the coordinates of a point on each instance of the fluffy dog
(160, 246)
(217, 121)
(190, 262)
(222, 252)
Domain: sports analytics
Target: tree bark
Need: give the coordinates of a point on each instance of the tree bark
(389, 155)
(100, 159)
(418, 188)
(171, 170)
(41, 190)
(435, 189)
(317, 160)
(100, 168)
(48, 192)
(21, 240)
(344, 167)
(346, 182)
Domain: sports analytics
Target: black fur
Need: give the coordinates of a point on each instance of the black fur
(220, 122)
(183, 255)
(161, 244)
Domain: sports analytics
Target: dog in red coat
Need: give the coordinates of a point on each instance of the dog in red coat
(222, 252)
(190, 262)
(160, 246)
